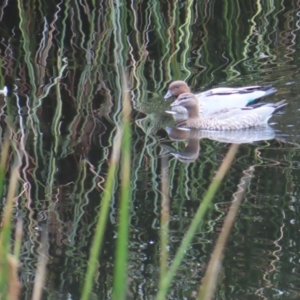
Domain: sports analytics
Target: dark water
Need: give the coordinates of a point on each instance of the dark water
(61, 63)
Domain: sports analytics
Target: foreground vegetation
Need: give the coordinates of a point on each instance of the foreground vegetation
(87, 193)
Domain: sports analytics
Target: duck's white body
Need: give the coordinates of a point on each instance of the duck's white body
(220, 98)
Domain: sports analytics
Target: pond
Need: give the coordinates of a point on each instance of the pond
(63, 63)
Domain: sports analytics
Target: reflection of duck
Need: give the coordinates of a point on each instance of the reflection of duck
(250, 135)
(190, 152)
(220, 98)
(226, 119)
(192, 136)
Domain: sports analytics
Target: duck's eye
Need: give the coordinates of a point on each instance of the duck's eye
(177, 87)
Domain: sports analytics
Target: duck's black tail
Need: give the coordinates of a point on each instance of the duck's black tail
(279, 105)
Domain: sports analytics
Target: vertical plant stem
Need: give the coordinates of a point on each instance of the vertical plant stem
(6, 230)
(164, 220)
(4, 154)
(120, 271)
(102, 219)
(41, 269)
(214, 267)
(196, 221)
(14, 285)
(18, 238)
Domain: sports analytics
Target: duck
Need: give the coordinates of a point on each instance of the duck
(192, 139)
(226, 119)
(220, 98)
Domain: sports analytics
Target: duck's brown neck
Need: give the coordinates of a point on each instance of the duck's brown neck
(192, 110)
(192, 115)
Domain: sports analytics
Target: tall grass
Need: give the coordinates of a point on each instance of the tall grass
(121, 252)
(122, 142)
(164, 219)
(103, 214)
(66, 103)
(209, 281)
(166, 273)
(9, 263)
(206, 202)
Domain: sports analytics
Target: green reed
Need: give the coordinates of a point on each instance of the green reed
(118, 34)
(120, 274)
(164, 219)
(103, 214)
(122, 141)
(209, 281)
(121, 253)
(9, 283)
(196, 221)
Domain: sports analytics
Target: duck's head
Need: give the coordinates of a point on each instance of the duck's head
(189, 102)
(177, 88)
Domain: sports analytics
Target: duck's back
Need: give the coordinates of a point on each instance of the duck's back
(222, 98)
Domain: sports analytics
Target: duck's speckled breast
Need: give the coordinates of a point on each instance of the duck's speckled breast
(242, 122)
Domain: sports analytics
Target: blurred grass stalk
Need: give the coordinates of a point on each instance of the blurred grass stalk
(121, 256)
(164, 219)
(10, 285)
(212, 272)
(40, 274)
(102, 219)
(166, 281)
(122, 141)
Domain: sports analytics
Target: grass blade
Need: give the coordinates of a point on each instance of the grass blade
(196, 221)
(120, 278)
(103, 214)
(164, 220)
(41, 269)
(214, 266)
(8, 262)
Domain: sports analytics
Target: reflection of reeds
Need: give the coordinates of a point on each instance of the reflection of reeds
(167, 274)
(209, 281)
(196, 221)
(103, 214)
(122, 141)
(68, 76)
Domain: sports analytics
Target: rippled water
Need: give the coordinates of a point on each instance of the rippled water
(61, 63)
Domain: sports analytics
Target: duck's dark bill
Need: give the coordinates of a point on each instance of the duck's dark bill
(168, 95)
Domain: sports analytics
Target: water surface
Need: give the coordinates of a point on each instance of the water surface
(61, 63)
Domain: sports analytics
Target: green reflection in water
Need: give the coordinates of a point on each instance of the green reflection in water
(57, 124)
